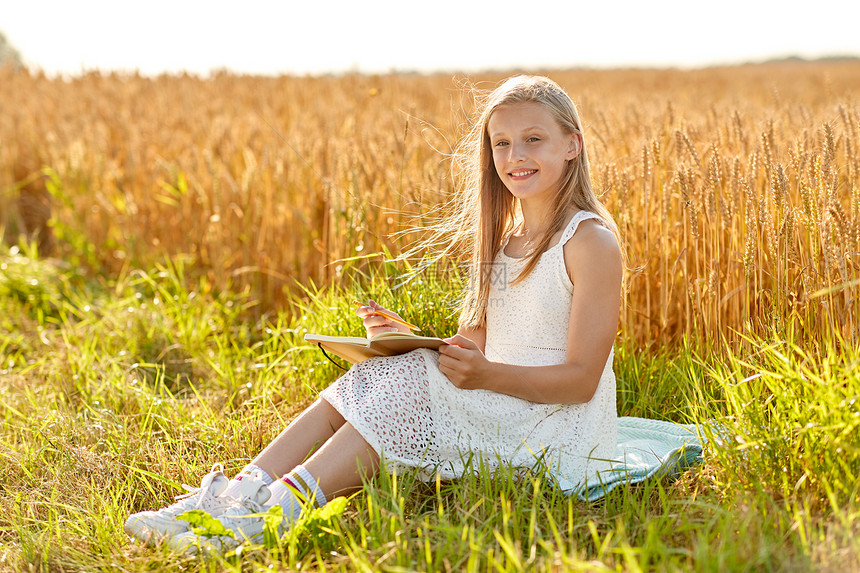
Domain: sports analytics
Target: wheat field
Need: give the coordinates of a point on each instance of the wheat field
(735, 189)
(190, 230)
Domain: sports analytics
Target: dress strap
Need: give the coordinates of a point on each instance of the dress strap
(578, 218)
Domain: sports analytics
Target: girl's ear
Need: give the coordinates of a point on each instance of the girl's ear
(574, 147)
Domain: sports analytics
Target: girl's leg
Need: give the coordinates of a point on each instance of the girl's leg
(336, 468)
(301, 438)
(340, 464)
(305, 434)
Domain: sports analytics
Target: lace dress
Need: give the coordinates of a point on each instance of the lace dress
(408, 411)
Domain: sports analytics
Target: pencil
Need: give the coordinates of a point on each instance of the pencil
(389, 316)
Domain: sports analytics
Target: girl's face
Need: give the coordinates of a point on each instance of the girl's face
(530, 149)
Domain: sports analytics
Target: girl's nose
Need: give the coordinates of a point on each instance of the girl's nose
(517, 151)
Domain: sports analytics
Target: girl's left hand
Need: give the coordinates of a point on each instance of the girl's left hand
(463, 363)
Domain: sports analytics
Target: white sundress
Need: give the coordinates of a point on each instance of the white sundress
(410, 412)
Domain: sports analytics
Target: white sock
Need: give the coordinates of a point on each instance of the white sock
(233, 488)
(293, 491)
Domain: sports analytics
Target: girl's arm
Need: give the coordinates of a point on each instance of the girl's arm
(476, 335)
(593, 259)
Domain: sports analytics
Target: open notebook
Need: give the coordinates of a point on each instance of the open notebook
(355, 348)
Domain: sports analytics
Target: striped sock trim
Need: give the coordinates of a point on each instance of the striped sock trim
(300, 487)
(315, 488)
(303, 483)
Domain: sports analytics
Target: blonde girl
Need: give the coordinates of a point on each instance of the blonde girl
(527, 376)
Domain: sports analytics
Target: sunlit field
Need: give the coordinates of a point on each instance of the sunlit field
(168, 241)
(736, 189)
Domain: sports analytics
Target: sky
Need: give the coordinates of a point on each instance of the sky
(319, 36)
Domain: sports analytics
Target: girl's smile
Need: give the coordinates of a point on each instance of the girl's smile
(522, 174)
(530, 150)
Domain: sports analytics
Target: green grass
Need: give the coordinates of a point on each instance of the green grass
(112, 394)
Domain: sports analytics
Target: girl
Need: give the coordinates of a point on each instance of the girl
(527, 376)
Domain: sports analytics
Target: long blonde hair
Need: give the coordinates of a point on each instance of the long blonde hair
(482, 211)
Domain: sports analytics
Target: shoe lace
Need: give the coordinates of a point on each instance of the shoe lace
(204, 492)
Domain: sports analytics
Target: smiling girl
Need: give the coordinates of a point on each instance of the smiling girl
(528, 375)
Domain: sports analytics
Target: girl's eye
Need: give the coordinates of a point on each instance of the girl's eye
(501, 143)
(533, 138)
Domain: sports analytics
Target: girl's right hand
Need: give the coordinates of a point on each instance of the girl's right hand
(376, 323)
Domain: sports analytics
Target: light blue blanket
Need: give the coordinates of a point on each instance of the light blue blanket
(645, 448)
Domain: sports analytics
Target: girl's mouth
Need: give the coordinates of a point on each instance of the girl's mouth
(522, 173)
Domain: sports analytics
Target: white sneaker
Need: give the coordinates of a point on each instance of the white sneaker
(244, 521)
(152, 526)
